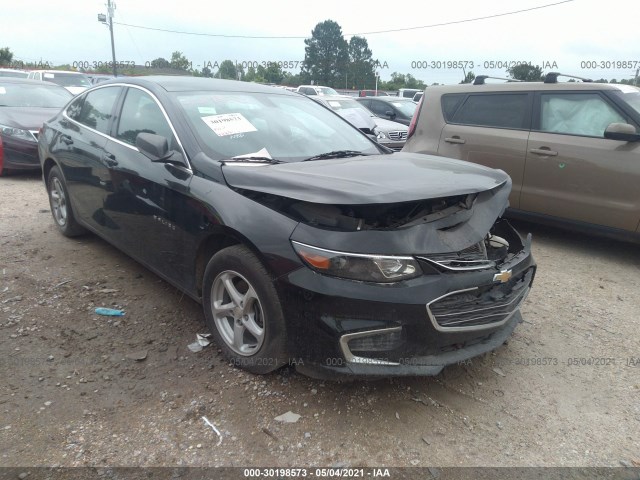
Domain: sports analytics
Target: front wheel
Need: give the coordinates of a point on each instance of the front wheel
(61, 206)
(243, 311)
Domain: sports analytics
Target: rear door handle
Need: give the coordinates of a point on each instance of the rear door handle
(66, 139)
(109, 160)
(455, 139)
(544, 151)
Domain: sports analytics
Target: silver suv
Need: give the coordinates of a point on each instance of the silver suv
(572, 149)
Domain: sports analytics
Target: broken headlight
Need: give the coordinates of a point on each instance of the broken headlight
(356, 266)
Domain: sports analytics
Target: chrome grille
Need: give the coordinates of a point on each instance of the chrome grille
(397, 136)
(480, 307)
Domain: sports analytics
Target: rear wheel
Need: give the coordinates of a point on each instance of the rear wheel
(61, 206)
(243, 311)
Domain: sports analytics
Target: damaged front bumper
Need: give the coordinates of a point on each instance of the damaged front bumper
(458, 309)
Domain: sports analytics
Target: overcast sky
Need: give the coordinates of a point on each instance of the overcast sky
(570, 37)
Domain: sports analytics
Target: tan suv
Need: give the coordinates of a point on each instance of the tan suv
(572, 149)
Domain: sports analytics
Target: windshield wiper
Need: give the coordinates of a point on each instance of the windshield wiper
(253, 159)
(336, 154)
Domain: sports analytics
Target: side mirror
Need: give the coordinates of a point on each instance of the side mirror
(390, 114)
(621, 131)
(155, 147)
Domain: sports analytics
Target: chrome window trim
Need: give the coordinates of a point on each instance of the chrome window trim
(120, 142)
(351, 358)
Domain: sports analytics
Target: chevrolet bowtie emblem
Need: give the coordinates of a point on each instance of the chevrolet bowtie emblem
(503, 277)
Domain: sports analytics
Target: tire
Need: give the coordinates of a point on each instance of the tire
(243, 311)
(61, 205)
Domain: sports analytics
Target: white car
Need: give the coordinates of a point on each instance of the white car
(316, 90)
(74, 82)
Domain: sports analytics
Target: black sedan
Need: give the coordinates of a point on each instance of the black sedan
(24, 106)
(399, 110)
(305, 241)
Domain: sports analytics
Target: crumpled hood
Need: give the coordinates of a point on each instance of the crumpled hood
(398, 177)
(27, 118)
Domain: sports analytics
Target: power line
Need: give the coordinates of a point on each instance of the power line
(454, 22)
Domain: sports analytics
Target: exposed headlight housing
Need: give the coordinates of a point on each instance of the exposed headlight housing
(356, 266)
(18, 133)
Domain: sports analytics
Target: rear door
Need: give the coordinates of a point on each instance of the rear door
(490, 129)
(80, 151)
(572, 171)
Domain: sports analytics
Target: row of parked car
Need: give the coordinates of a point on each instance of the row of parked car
(305, 238)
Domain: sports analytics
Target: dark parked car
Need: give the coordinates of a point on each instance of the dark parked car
(399, 110)
(304, 241)
(372, 93)
(24, 106)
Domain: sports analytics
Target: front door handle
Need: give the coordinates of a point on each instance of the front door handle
(544, 151)
(66, 139)
(109, 160)
(455, 139)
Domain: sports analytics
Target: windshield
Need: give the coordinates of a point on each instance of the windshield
(30, 95)
(287, 128)
(631, 96)
(67, 79)
(407, 108)
(327, 91)
(347, 103)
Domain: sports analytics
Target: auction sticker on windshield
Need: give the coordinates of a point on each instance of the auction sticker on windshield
(228, 124)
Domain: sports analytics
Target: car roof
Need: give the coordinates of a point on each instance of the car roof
(336, 97)
(27, 81)
(522, 86)
(12, 70)
(387, 99)
(60, 71)
(178, 83)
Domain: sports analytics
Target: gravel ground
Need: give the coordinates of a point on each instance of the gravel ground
(79, 389)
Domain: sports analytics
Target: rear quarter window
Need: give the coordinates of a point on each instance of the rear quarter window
(450, 104)
(498, 110)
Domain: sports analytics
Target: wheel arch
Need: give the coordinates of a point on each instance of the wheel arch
(217, 240)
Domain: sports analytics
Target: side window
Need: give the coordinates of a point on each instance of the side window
(141, 114)
(96, 111)
(494, 110)
(450, 104)
(73, 110)
(379, 108)
(576, 114)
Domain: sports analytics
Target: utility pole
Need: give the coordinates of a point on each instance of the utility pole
(636, 80)
(108, 20)
(110, 8)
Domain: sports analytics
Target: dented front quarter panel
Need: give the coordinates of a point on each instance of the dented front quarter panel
(449, 234)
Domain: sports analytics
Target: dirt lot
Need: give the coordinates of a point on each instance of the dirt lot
(76, 392)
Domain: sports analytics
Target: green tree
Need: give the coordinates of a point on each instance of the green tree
(528, 73)
(6, 56)
(361, 73)
(227, 70)
(326, 55)
(468, 78)
(159, 63)
(179, 61)
(273, 73)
